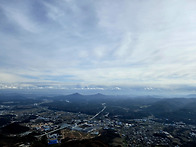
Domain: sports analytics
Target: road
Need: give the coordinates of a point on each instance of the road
(98, 113)
(62, 127)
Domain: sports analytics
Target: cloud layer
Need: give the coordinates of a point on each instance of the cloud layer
(98, 42)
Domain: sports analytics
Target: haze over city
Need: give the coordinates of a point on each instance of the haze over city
(99, 73)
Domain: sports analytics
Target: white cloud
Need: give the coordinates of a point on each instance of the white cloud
(18, 16)
(100, 42)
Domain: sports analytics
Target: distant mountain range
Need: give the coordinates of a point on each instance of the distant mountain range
(125, 107)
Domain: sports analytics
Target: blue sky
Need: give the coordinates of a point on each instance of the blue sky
(100, 42)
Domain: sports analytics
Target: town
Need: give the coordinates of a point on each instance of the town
(58, 127)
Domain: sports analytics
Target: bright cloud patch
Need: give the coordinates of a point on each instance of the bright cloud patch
(98, 42)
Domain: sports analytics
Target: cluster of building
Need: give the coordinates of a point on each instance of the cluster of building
(145, 132)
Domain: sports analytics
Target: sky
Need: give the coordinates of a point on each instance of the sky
(98, 42)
